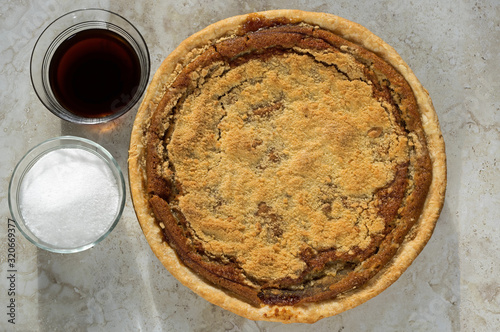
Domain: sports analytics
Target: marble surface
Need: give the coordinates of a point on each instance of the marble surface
(454, 49)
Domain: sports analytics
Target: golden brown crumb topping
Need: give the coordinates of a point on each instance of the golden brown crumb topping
(286, 164)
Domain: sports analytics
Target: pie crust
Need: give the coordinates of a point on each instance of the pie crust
(286, 165)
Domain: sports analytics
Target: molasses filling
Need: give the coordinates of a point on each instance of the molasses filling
(285, 164)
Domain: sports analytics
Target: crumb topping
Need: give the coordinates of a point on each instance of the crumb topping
(287, 164)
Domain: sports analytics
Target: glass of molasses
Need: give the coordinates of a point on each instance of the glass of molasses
(90, 66)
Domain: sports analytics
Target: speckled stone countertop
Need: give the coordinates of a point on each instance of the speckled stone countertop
(454, 49)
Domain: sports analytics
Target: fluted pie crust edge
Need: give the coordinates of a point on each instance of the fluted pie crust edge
(307, 312)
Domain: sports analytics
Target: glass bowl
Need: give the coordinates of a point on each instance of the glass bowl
(82, 168)
(63, 88)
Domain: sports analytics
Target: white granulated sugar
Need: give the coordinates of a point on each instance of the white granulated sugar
(69, 198)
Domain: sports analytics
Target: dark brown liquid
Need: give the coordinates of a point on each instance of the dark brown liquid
(94, 73)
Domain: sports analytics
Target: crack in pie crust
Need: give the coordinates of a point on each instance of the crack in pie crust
(286, 165)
